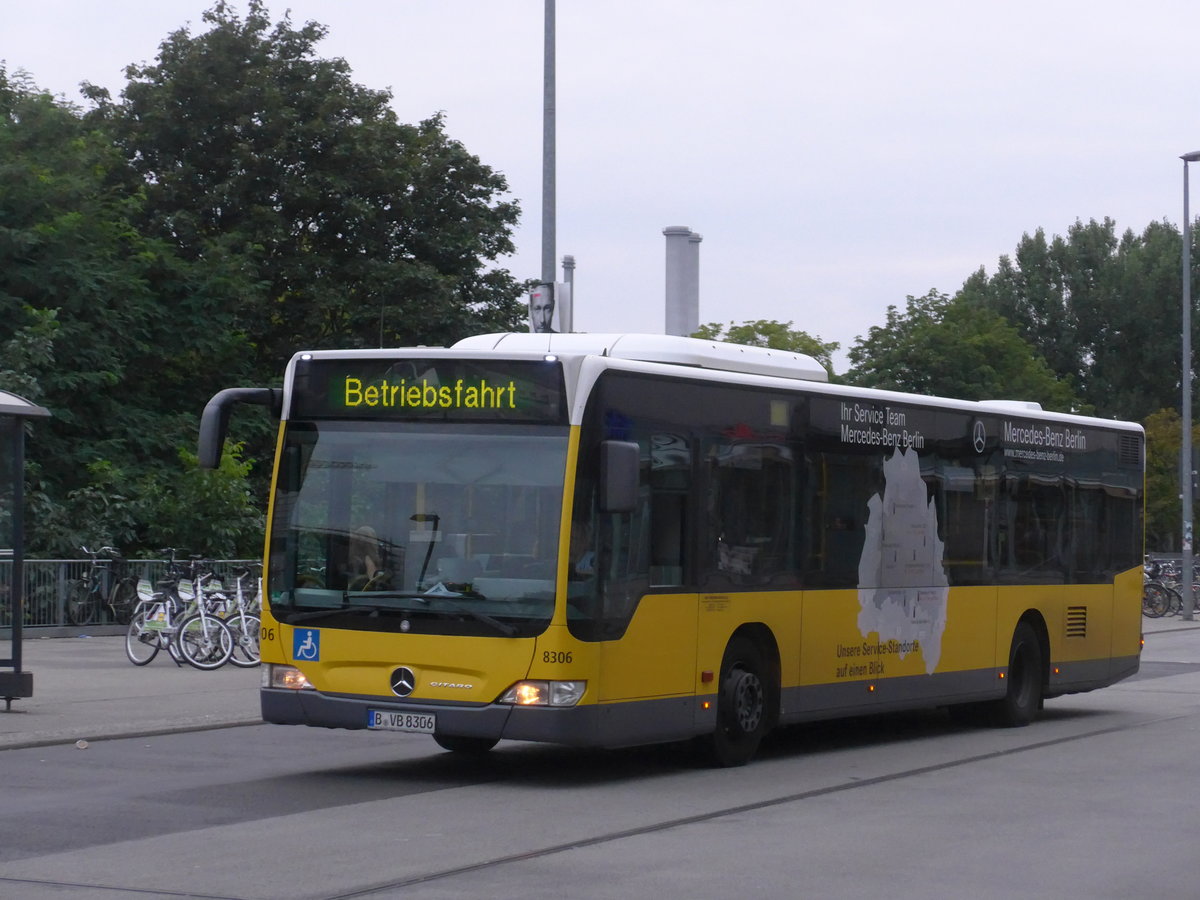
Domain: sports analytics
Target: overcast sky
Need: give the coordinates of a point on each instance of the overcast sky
(835, 157)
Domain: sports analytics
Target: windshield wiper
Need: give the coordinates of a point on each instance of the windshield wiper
(425, 597)
(327, 613)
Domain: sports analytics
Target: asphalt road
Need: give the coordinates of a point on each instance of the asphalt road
(1094, 800)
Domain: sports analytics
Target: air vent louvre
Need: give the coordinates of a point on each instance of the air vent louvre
(1076, 621)
(1129, 450)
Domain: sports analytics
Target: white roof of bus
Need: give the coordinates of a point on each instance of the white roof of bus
(643, 352)
(663, 348)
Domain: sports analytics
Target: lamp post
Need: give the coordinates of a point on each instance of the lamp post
(548, 153)
(1185, 461)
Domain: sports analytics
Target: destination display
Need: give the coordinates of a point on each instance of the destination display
(442, 389)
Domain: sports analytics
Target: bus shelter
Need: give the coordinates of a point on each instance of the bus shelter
(15, 682)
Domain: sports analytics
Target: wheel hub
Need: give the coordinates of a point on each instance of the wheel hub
(747, 701)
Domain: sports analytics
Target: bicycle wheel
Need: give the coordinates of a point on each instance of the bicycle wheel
(122, 599)
(1174, 602)
(141, 641)
(176, 613)
(1156, 600)
(80, 609)
(204, 642)
(244, 628)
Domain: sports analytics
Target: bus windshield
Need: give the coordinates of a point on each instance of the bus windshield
(422, 528)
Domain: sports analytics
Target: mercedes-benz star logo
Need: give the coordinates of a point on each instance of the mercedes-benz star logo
(403, 681)
(980, 437)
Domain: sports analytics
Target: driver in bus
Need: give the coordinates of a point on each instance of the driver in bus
(364, 567)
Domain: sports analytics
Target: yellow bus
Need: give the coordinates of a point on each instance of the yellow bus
(612, 540)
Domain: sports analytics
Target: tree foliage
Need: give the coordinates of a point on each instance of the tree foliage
(356, 230)
(89, 312)
(1164, 439)
(951, 347)
(1102, 311)
(241, 200)
(773, 334)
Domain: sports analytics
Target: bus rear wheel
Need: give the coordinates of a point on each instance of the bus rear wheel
(1023, 698)
(742, 704)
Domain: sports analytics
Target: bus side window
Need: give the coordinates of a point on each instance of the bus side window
(670, 478)
(839, 487)
(751, 497)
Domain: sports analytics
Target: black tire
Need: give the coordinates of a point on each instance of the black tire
(80, 609)
(175, 609)
(468, 746)
(743, 704)
(1156, 600)
(1175, 602)
(244, 629)
(204, 642)
(1023, 698)
(141, 642)
(123, 599)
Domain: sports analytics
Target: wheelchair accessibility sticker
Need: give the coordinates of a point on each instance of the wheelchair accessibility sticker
(306, 644)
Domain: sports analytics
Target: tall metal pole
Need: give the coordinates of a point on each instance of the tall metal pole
(1185, 454)
(548, 205)
(568, 312)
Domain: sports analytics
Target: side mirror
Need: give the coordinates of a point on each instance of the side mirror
(214, 422)
(618, 476)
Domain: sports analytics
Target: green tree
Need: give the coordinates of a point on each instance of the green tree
(773, 334)
(1164, 512)
(213, 509)
(93, 316)
(1098, 309)
(242, 200)
(355, 229)
(27, 354)
(954, 348)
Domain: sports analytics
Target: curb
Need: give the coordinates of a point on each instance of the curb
(65, 738)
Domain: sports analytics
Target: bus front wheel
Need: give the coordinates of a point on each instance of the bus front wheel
(742, 704)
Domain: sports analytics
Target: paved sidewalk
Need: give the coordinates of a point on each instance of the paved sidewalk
(1168, 624)
(84, 688)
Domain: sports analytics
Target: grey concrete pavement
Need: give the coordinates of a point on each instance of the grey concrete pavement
(84, 688)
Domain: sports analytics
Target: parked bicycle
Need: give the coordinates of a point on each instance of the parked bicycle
(174, 615)
(238, 607)
(101, 586)
(1162, 590)
(241, 613)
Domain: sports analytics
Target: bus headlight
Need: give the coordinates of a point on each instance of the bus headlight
(287, 677)
(544, 693)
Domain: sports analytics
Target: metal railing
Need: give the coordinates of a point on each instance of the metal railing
(46, 581)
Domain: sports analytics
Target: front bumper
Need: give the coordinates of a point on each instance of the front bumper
(610, 725)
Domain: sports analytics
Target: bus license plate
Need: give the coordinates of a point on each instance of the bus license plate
(387, 720)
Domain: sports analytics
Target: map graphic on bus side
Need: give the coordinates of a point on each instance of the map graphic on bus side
(902, 585)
